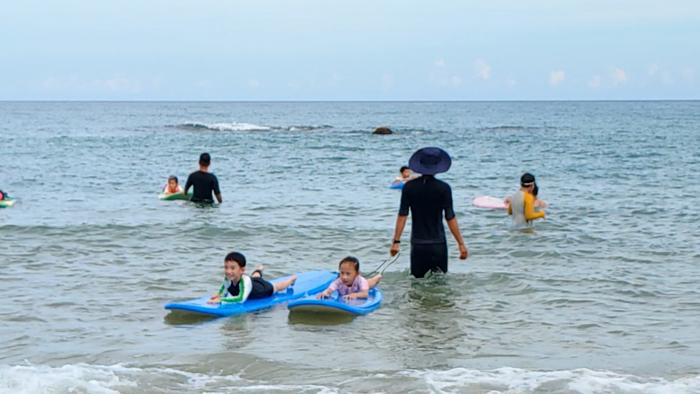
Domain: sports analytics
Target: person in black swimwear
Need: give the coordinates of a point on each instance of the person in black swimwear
(204, 182)
(427, 198)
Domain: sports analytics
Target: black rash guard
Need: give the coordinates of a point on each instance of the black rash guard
(427, 198)
(204, 184)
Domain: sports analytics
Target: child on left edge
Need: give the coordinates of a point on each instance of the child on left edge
(238, 287)
(173, 186)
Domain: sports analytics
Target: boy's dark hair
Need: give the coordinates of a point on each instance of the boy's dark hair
(353, 260)
(172, 178)
(237, 257)
(204, 159)
(403, 168)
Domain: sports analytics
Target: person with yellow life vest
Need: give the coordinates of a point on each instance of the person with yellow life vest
(521, 206)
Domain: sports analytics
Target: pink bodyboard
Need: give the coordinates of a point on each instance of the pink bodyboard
(489, 202)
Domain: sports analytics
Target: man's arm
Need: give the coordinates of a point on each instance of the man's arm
(217, 191)
(404, 208)
(188, 184)
(398, 230)
(454, 229)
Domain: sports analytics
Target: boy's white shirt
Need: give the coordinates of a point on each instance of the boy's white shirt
(247, 288)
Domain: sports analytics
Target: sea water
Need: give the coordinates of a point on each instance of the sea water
(602, 297)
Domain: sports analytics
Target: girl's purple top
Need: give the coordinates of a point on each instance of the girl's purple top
(358, 285)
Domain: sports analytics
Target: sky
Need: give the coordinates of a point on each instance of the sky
(349, 50)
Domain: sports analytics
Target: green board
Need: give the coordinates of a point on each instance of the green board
(7, 202)
(175, 196)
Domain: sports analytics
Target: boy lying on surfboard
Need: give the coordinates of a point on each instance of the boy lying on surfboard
(238, 286)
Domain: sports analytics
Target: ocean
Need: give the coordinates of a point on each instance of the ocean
(601, 297)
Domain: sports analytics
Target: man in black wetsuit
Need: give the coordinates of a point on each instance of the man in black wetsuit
(204, 182)
(427, 198)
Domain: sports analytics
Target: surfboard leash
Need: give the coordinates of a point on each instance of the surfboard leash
(379, 270)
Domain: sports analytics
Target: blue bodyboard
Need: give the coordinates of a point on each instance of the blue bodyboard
(397, 185)
(336, 304)
(307, 283)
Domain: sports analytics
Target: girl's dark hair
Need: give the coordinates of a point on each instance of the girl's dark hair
(237, 257)
(172, 178)
(526, 179)
(535, 190)
(404, 168)
(353, 260)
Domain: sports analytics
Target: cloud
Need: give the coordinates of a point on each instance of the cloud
(387, 81)
(619, 76)
(482, 69)
(556, 77)
(595, 81)
(653, 70)
(442, 75)
(117, 84)
(688, 74)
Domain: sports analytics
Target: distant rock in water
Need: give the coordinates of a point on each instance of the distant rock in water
(383, 131)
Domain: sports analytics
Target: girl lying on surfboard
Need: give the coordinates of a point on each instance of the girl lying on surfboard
(350, 284)
(172, 187)
(238, 286)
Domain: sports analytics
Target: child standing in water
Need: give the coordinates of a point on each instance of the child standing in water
(521, 205)
(172, 187)
(350, 284)
(238, 287)
(538, 203)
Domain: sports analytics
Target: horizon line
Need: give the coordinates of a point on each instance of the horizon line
(340, 100)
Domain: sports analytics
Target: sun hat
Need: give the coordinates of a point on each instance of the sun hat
(430, 161)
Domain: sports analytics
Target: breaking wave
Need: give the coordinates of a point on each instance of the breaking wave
(236, 126)
(110, 379)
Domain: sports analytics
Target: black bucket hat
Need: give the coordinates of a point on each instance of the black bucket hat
(430, 161)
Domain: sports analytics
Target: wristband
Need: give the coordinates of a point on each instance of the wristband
(396, 241)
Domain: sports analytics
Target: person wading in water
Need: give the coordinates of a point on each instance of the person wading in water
(427, 198)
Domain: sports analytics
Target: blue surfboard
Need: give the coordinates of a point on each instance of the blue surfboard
(307, 283)
(396, 185)
(336, 304)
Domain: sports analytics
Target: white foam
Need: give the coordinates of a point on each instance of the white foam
(110, 379)
(232, 126)
(113, 379)
(79, 378)
(583, 381)
(238, 126)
